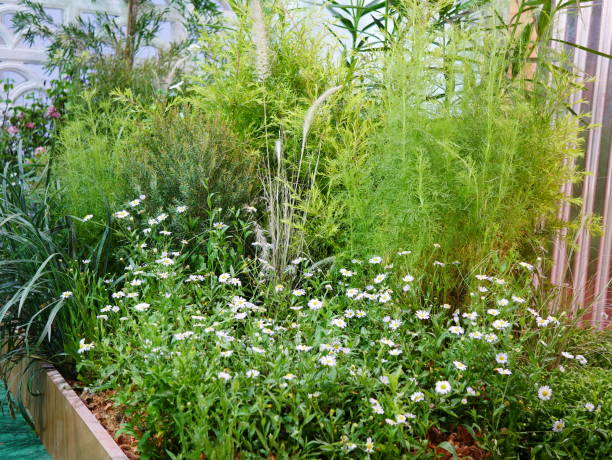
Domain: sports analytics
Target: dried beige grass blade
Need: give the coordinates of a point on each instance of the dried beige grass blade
(312, 111)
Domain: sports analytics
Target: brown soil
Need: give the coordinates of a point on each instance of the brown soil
(463, 442)
(110, 416)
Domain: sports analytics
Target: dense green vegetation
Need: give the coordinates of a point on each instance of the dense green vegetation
(300, 248)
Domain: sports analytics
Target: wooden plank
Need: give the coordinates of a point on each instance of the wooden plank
(67, 429)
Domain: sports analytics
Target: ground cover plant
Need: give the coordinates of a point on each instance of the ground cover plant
(297, 252)
(346, 362)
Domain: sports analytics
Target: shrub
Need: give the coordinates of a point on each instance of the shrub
(92, 158)
(465, 159)
(183, 155)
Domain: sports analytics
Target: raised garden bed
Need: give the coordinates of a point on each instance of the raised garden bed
(66, 427)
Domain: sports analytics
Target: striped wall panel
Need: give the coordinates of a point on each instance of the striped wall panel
(582, 268)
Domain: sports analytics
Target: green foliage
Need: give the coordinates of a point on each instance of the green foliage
(377, 25)
(206, 360)
(301, 68)
(182, 155)
(266, 87)
(462, 156)
(78, 46)
(438, 147)
(38, 261)
(91, 161)
(30, 127)
(172, 153)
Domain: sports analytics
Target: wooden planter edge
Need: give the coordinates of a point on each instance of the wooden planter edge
(66, 427)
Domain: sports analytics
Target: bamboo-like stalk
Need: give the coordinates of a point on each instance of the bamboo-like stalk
(130, 32)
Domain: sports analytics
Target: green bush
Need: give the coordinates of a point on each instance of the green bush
(92, 158)
(182, 155)
(463, 160)
(172, 154)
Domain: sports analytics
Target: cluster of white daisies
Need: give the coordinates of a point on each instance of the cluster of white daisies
(225, 324)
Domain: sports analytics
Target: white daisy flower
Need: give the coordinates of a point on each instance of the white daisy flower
(526, 265)
(83, 347)
(121, 214)
(315, 304)
(380, 278)
(252, 373)
(417, 396)
(501, 358)
(384, 297)
(422, 314)
(443, 387)
(545, 393)
(502, 371)
(143, 306)
(303, 348)
(471, 316)
(165, 261)
(558, 426)
(500, 324)
(490, 338)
